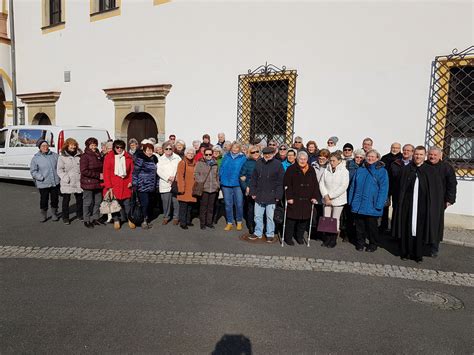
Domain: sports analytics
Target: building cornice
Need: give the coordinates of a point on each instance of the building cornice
(40, 97)
(134, 93)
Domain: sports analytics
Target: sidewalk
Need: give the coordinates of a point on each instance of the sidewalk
(459, 236)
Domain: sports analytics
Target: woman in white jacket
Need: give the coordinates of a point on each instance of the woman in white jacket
(333, 187)
(166, 169)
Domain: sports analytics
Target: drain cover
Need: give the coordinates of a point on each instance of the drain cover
(435, 299)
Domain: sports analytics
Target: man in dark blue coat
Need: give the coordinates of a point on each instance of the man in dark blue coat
(266, 188)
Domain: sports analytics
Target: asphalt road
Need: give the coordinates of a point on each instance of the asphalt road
(64, 306)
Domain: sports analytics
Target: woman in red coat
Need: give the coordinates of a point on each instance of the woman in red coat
(118, 168)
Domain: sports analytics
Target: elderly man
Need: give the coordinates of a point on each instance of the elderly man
(298, 144)
(367, 144)
(220, 139)
(266, 188)
(388, 159)
(449, 183)
(419, 210)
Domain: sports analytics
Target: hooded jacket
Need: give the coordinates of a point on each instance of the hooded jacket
(69, 171)
(43, 169)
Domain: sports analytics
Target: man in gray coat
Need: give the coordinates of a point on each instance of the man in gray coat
(43, 169)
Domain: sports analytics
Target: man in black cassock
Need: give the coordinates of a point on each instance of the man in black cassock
(449, 185)
(419, 210)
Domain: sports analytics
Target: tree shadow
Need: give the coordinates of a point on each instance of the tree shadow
(233, 344)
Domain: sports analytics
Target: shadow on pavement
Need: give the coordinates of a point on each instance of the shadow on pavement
(233, 344)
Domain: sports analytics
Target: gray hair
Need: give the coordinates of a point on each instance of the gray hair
(180, 141)
(153, 140)
(217, 148)
(302, 153)
(408, 145)
(360, 152)
(109, 144)
(167, 144)
(132, 141)
(189, 150)
(375, 152)
(158, 145)
(196, 141)
(435, 148)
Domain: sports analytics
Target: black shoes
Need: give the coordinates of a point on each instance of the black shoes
(190, 225)
(66, 221)
(270, 239)
(98, 222)
(290, 242)
(358, 248)
(211, 226)
(89, 224)
(203, 227)
(183, 226)
(300, 241)
(371, 248)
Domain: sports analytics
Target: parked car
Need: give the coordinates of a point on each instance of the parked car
(18, 145)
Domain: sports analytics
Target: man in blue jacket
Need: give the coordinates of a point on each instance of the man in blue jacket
(266, 188)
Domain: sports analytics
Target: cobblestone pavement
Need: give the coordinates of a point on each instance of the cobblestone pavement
(238, 260)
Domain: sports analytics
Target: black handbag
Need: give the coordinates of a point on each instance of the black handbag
(279, 214)
(136, 214)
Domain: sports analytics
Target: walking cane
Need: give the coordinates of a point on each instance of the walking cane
(284, 220)
(310, 222)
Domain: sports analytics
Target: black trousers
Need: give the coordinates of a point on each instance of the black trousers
(65, 205)
(44, 197)
(295, 228)
(366, 227)
(249, 213)
(206, 208)
(185, 209)
(384, 222)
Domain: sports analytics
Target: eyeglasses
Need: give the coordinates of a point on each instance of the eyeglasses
(168, 148)
(255, 151)
(298, 142)
(282, 148)
(330, 142)
(121, 148)
(208, 155)
(272, 145)
(347, 149)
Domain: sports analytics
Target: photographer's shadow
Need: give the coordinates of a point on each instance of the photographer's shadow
(233, 344)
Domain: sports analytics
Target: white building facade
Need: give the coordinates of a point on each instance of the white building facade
(137, 67)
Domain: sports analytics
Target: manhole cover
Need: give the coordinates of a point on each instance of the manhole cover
(435, 299)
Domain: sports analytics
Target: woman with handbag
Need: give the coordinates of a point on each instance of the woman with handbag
(91, 165)
(118, 168)
(333, 187)
(302, 192)
(144, 180)
(367, 195)
(206, 176)
(167, 168)
(185, 179)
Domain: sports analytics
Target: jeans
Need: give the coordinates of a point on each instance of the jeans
(206, 208)
(233, 197)
(123, 213)
(260, 209)
(366, 226)
(145, 198)
(185, 209)
(91, 204)
(65, 205)
(170, 201)
(44, 197)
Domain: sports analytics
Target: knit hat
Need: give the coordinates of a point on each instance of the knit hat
(146, 141)
(334, 139)
(41, 141)
(348, 145)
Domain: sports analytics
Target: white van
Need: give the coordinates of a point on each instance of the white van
(18, 145)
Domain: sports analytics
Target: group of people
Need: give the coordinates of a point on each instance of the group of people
(354, 188)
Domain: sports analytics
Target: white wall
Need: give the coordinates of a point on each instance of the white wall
(363, 67)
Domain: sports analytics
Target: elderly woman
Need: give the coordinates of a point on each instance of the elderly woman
(282, 152)
(91, 165)
(333, 187)
(158, 149)
(207, 173)
(332, 144)
(196, 144)
(302, 192)
(70, 175)
(227, 146)
(312, 149)
(321, 164)
(144, 180)
(290, 159)
(118, 168)
(167, 168)
(179, 148)
(217, 154)
(367, 195)
(229, 174)
(185, 178)
(354, 164)
(132, 146)
(245, 177)
(43, 169)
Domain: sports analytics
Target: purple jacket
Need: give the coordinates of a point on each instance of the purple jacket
(91, 166)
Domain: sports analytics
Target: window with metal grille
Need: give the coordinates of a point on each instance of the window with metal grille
(266, 102)
(54, 12)
(105, 5)
(450, 123)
